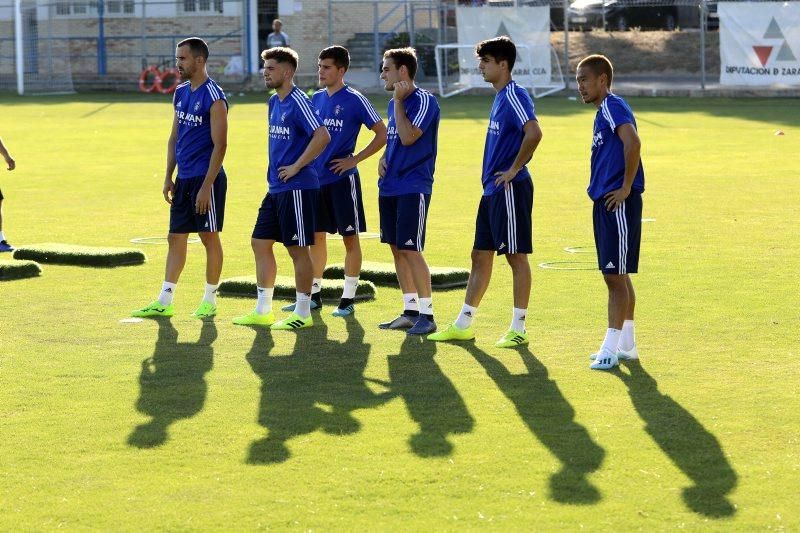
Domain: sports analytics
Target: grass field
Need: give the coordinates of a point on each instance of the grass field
(190, 425)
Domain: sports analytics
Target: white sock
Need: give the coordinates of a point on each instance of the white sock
(316, 285)
(302, 305)
(426, 306)
(211, 294)
(350, 286)
(611, 341)
(518, 319)
(466, 316)
(410, 301)
(167, 293)
(2, 236)
(264, 303)
(627, 340)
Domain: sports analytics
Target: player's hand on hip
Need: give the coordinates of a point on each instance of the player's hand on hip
(382, 167)
(504, 178)
(203, 200)
(11, 163)
(169, 191)
(343, 164)
(401, 90)
(615, 198)
(288, 172)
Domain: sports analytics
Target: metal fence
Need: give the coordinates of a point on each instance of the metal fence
(68, 44)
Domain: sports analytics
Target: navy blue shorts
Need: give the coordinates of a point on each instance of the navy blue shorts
(340, 208)
(618, 234)
(403, 220)
(504, 221)
(183, 217)
(287, 217)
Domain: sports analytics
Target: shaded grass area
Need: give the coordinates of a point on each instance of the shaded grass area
(18, 269)
(73, 254)
(197, 425)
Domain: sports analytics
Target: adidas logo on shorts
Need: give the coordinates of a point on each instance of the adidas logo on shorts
(295, 237)
(610, 265)
(502, 245)
(409, 242)
(349, 228)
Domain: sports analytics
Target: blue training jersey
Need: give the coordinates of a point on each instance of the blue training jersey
(193, 112)
(511, 109)
(409, 169)
(608, 154)
(292, 122)
(343, 113)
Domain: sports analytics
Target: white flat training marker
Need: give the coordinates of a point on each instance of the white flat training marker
(131, 320)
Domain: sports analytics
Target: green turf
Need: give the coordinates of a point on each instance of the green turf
(18, 269)
(190, 425)
(384, 274)
(74, 254)
(331, 291)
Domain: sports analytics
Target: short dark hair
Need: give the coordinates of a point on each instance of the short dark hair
(281, 54)
(500, 48)
(599, 64)
(403, 57)
(339, 54)
(196, 45)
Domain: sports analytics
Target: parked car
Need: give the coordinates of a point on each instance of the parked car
(620, 15)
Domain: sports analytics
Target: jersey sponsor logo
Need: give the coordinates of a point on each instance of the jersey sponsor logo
(189, 118)
(597, 140)
(334, 123)
(279, 132)
(392, 130)
(494, 127)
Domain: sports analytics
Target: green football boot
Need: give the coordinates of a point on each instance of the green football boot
(206, 310)
(452, 333)
(512, 338)
(293, 321)
(255, 319)
(154, 308)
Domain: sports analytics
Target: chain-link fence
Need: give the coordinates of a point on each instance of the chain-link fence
(73, 44)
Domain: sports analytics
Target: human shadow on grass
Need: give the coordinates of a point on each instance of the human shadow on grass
(431, 399)
(172, 382)
(551, 418)
(686, 442)
(316, 387)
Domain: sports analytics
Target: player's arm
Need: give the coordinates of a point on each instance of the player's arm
(532, 136)
(219, 136)
(319, 140)
(631, 149)
(407, 132)
(9, 160)
(340, 166)
(169, 185)
(382, 166)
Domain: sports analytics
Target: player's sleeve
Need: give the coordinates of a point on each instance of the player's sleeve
(616, 113)
(367, 115)
(215, 93)
(306, 115)
(521, 106)
(424, 112)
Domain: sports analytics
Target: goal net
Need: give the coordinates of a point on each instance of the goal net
(457, 70)
(35, 51)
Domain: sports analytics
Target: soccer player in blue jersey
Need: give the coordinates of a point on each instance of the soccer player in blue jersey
(11, 164)
(340, 207)
(405, 185)
(197, 146)
(296, 138)
(616, 185)
(504, 221)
